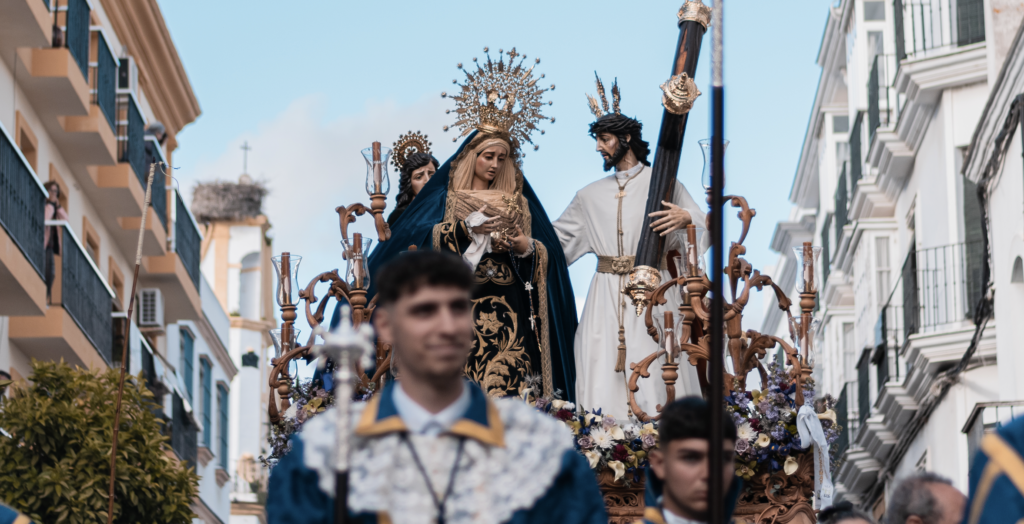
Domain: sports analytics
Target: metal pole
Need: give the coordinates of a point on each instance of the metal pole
(124, 347)
(716, 495)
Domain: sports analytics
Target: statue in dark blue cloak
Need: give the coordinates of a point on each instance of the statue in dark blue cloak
(480, 206)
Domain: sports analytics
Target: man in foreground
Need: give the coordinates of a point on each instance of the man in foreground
(926, 498)
(678, 480)
(433, 447)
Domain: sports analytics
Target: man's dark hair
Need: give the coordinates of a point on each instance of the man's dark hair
(913, 496)
(414, 162)
(843, 511)
(414, 269)
(688, 418)
(620, 126)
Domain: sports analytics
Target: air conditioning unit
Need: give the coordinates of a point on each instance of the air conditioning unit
(151, 310)
(128, 76)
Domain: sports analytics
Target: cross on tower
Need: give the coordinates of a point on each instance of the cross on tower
(245, 157)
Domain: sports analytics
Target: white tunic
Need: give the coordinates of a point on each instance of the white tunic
(589, 225)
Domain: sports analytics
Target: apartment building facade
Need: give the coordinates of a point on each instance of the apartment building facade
(80, 82)
(906, 343)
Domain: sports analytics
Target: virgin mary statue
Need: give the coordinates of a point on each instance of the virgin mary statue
(480, 206)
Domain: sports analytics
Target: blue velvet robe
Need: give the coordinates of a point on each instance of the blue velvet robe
(997, 478)
(11, 516)
(415, 227)
(294, 496)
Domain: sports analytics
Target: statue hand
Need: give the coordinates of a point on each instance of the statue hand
(518, 242)
(487, 227)
(672, 219)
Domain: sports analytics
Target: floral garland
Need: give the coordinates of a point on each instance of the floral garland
(767, 437)
(603, 441)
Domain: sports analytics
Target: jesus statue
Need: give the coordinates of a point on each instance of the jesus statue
(606, 218)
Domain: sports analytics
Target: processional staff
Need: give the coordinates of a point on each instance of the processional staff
(716, 364)
(679, 94)
(346, 346)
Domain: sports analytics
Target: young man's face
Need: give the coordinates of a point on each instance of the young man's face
(431, 330)
(683, 466)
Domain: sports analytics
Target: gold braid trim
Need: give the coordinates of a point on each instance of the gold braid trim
(540, 279)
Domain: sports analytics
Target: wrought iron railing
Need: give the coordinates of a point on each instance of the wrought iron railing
(186, 239)
(864, 387)
(103, 80)
(926, 25)
(76, 33)
(826, 249)
(184, 434)
(159, 194)
(21, 202)
(846, 418)
(842, 194)
(937, 287)
(84, 294)
(856, 157)
(883, 99)
(131, 146)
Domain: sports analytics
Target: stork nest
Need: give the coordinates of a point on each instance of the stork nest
(234, 201)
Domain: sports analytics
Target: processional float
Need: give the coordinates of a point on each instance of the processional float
(704, 331)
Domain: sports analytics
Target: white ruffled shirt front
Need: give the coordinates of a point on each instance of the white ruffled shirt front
(422, 422)
(491, 484)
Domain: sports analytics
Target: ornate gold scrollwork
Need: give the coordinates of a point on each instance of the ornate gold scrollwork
(679, 93)
(695, 11)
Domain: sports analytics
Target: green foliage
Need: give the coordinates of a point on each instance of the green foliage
(56, 468)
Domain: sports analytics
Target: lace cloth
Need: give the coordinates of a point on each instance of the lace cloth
(490, 486)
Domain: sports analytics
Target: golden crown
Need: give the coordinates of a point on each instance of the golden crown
(502, 97)
(406, 145)
(600, 110)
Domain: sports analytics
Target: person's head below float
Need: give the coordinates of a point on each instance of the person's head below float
(926, 498)
(844, 513)
(681, 460)
(424, 311)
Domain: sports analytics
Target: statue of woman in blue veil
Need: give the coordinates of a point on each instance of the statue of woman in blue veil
(479, 205)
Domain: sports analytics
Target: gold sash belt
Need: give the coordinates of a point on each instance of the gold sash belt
(615, 265)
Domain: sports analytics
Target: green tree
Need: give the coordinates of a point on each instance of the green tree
(56, 466)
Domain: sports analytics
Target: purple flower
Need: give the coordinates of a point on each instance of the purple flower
(742, 446)
(608, 421)
(321, 393)
(779, 432)
(585, 442)
(542, 403)
(300, 416)
(648, 441)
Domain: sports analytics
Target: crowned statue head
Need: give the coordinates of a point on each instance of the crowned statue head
(415, 164)
(618, 136)
(502, 102)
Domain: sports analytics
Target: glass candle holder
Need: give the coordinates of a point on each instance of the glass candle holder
(356, 250)
(804, 340)
(705, 147)
(808, 279)
(275, 335)
(377, 157)
(287, 267)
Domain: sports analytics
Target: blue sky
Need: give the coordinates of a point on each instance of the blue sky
(309, 84)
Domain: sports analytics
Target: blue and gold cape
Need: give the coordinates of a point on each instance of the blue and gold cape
(997, 477)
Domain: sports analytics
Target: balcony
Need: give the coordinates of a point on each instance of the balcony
(155, 154)
(78, 326)
(22, 198)
(177, 274)
(941, 286)
(90, 139)
(55, 79)
(929, 27)
(121, 188)
(24, 23)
